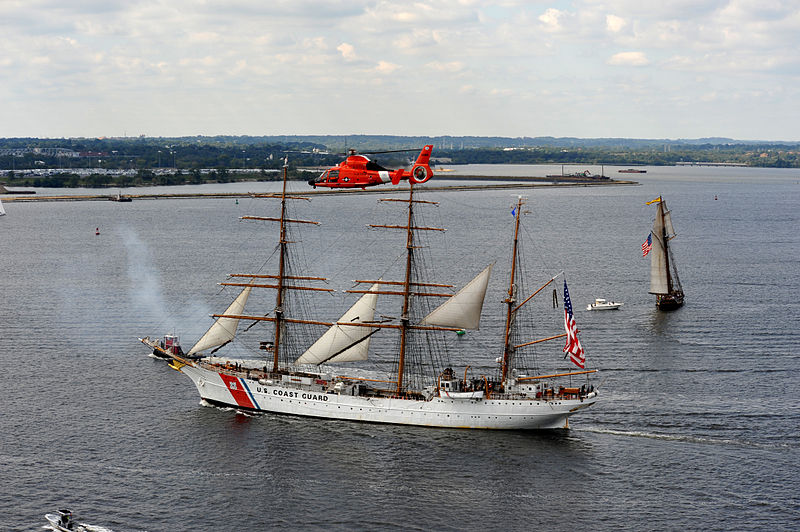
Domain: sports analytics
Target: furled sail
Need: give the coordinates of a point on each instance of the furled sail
(224, 329)
(343, 343)
(463, 310)
(662, 225)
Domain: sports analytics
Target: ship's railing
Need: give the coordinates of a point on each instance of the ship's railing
(549, 394)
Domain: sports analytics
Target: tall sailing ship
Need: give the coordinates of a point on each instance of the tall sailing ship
(422, 388)
(664, 281)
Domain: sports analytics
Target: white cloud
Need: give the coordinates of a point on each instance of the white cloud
(628, 59)
(501, 92)
(551, 20)
(615, 24)
(204, 37)
(347, 51)
(406, 16)
(451, 67)
(452, 53)
(709, 97)
(385, 67)
(417, 39)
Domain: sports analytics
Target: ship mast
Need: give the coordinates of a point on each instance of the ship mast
(510, 299)
(281, 278)
(404, 318)
(281, 274)
(410, 287)
(666, 245)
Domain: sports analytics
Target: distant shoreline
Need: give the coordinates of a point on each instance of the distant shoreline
(516, 182)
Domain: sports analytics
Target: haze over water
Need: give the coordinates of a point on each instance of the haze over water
(697, 426)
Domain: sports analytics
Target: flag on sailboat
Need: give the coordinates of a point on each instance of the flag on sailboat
(573, 345)
(647, 245)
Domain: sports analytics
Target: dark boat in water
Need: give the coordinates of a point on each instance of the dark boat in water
(632, 171)
(664, 281)
(119, 197)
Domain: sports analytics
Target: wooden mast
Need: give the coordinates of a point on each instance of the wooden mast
(283, 279)
(404, 318)
(408, 286)
(510, 300)
(281, 274)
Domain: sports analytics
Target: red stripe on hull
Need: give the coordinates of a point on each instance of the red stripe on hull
(237, 391)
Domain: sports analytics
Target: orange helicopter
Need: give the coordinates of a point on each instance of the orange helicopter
(357, 171)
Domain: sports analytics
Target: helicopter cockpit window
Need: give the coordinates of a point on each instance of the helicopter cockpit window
(372, 165)
(333, 174)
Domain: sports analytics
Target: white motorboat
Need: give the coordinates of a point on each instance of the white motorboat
(63, 521)
(602, 304)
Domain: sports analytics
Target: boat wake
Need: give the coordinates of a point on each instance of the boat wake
(82, 526)
(239, 411)
(654, 436)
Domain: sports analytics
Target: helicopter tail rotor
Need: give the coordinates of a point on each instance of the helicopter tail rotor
(421, 171)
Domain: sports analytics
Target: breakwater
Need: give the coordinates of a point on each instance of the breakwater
(518, 182)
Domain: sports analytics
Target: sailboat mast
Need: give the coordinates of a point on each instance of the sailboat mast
(404, 318)
(281, 276)
(510, 300)
(666, 245)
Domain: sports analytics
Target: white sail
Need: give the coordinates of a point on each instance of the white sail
(658, 257)
(463, 310)
(343, 343)
(668, 229)
(224, 329)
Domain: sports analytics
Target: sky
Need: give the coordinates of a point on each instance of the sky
(669, 69)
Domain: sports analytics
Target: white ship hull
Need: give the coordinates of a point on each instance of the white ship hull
(224, 389)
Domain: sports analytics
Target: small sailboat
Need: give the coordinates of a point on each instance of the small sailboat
(421, 388)
(664, 281)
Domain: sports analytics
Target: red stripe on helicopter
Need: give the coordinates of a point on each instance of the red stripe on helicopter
(237, 390)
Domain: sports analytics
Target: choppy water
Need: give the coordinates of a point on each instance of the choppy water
(698, 425)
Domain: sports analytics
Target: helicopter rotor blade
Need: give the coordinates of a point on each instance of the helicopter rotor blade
(353, 151)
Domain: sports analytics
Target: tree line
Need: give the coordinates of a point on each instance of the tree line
(189, 160)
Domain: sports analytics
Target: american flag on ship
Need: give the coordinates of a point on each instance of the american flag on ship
(647, 244)
(573, 345)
